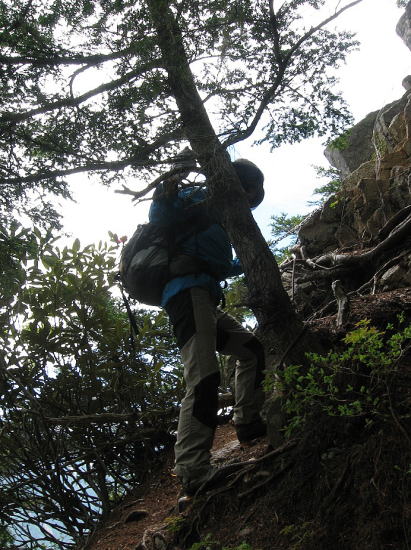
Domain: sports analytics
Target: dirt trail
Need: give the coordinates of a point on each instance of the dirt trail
(149, 507)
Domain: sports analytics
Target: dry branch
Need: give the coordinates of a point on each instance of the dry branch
(393, 222)
(163, 177)
(397, 235)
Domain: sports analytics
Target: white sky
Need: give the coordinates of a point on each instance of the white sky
(371, 78)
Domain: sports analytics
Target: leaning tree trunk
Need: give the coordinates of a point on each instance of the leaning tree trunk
(278, 323)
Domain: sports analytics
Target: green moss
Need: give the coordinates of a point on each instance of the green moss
(341, 143)
(175, 523)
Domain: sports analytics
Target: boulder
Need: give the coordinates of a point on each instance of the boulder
(396, 276)
(404, 26)
(374, 136)
(353, 148)
(407, 82)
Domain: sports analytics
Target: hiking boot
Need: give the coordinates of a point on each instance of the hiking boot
(186, 496)
(193, 486)
(247, 432)
(184, 501)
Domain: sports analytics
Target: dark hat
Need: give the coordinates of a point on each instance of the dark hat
(252, 179)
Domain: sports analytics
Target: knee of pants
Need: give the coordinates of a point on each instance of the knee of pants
(205, 406)
(257, 349)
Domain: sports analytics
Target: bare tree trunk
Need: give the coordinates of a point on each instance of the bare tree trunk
(278, 323)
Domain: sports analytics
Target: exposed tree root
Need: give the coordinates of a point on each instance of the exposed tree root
(334, 265)
(240, 470)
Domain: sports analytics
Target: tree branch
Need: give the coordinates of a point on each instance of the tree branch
(283, 63)
(313, 30)
(138, 194)
(97, 166)
(61, 60)
(267, 98)
(274, 25)
(102, 418)
(75, 101)
(91, 167)
(399, 234)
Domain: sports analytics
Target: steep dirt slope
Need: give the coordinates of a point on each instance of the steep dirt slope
(341, 484)
(152, 508)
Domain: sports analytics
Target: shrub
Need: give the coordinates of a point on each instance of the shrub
(354, 381)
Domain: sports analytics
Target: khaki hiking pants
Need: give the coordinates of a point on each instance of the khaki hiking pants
(201, 328)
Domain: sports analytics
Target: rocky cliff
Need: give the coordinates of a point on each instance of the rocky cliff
(368, 220)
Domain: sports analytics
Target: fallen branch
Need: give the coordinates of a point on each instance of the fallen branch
(102, 418)
(343, 264)
(332, 273)
(338, 261)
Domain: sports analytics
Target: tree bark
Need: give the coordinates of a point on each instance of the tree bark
(279, 325)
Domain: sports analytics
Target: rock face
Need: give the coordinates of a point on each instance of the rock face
(388, 127)
(354, 148)
(361, 215)
(372, 193)
(404, 26)
(369, 139)
(397, 276)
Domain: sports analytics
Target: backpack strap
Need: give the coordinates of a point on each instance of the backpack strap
(134, 331)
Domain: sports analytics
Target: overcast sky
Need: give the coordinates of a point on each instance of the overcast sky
(370, 79)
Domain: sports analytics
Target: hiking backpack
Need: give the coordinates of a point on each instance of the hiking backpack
(152, 257)
(145, 263)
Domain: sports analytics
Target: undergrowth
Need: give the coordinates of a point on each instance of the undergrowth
(356, 380)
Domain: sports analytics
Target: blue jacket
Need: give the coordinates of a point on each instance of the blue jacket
(210, 244)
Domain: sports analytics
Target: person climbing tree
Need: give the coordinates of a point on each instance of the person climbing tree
(201, 260)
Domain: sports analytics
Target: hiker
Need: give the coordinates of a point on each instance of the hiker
(203, 259)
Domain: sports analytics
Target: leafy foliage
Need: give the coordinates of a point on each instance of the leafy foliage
(355, 381)
(283, 227)
(341, 142)
(328, 189)
(6, 539)
(84, 87)
(86, 411)
(236, 300)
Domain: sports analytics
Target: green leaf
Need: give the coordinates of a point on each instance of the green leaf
(49, 261)
(76, 245)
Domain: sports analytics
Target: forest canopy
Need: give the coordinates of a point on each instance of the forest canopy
(85, 87)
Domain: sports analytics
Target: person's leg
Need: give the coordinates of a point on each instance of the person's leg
(193, 316)
(233, 339)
